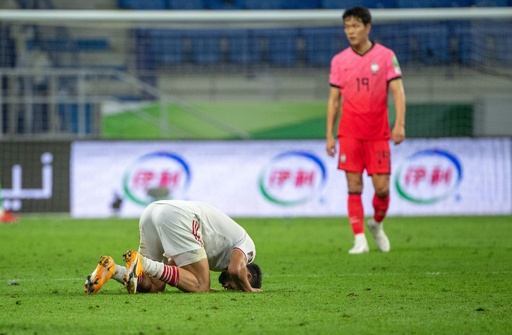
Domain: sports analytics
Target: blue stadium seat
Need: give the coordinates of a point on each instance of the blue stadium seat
(301, 4)
(454, 3)
(205, 46)
(469, 3)
(243, 47)
(263, 4)
(7, 49)
(321, 44)
(159, 47)
(481, 42)
(51, 45)
(491, 3)
(433, 42)
(346, 4)
(69, 118)
(167, 46)
(143, 54)
(282, 45)
(394, 36)
(142, 4)
(91, 44)
(471, 43)
(337, 4)
(502, 42)
(379, 3)
(225, 4)
(416, 3)
(185, 4)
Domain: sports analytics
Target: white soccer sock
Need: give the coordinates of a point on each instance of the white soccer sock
(119, 273)
(152, 268)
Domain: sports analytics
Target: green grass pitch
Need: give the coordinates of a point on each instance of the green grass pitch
(444, 275)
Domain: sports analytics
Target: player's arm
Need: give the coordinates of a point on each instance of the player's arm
(333, 109)
(397, 90)
(237, 269)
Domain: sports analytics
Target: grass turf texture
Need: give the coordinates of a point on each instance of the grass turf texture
(444, 275)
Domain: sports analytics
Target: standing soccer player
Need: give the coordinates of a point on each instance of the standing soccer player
(361, 76)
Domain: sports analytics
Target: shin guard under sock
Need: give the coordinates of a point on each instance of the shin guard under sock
(356, 213)
(380, 206)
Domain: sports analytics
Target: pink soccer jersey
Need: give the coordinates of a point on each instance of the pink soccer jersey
(363, 83)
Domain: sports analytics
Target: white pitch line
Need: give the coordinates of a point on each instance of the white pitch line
(266, 275)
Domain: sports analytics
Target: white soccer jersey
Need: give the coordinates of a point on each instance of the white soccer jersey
(179, 229)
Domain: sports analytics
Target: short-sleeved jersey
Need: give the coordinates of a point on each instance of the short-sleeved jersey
(363, 82)
(174, 227)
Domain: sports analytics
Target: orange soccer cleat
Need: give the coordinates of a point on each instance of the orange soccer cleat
(103, 272)
(133, 261)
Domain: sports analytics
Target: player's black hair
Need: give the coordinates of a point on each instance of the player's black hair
(360, 13)
(253, 269)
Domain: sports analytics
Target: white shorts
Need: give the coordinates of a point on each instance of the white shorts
(189, 231)
(168, 234)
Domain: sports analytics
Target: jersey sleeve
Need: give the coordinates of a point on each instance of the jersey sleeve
(334, 75)
(246, 246)
(393, 67)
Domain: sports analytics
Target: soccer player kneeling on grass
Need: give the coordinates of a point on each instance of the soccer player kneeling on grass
(180, 243)
(360, 77)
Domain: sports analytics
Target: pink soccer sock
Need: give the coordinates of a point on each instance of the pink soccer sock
(171, 275)
(380, 205)
(356, 213)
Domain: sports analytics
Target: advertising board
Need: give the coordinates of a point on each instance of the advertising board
(287, 178)
(35, 176)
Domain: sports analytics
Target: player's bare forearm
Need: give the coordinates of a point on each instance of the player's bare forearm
(237, 269)
(246, 286)
(243, 284)
(333, 109)
(398, 131)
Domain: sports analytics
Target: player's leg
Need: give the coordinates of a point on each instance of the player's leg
(146, 275)
(195, 277)
(150, 247)
(356, 212)
(148, 284)
(351, 160)
(380, 205)
(105, 270)
(355, 204)
(138, 277)
(379, 168)
(380, 200)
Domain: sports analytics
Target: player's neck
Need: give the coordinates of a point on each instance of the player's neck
(363, 48)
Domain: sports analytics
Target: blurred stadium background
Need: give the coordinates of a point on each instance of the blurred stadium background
(239, 69)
